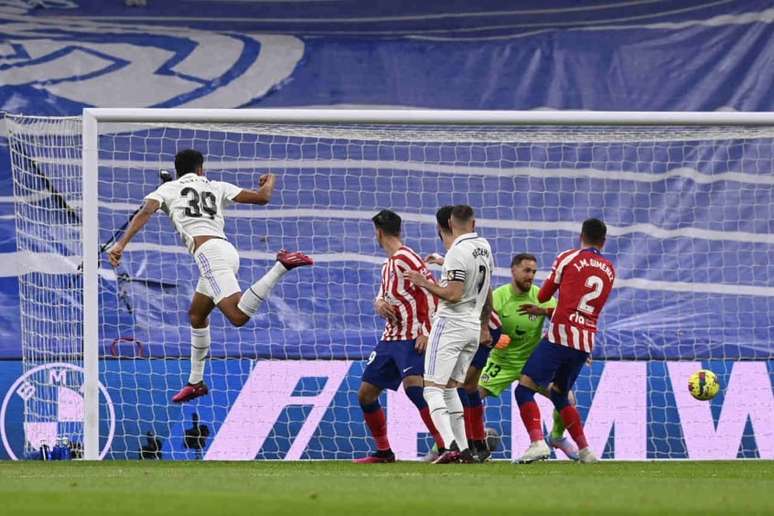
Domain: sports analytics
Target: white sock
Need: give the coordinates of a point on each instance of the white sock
(439, 413)
(456, 417)
(253, 297)
(200, 346)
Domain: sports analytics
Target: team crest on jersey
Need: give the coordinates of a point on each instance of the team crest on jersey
(456, 275)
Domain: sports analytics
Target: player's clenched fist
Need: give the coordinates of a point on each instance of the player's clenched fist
(385, 310)
(485, 338)
(266, 178)
(114, 254)
(420, 344)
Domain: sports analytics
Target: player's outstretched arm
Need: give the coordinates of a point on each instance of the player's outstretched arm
(262, 195)
(547, 290)
(138, 221)
(530, 309)
(452, 292)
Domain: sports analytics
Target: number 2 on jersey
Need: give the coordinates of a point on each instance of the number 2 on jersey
(197, 204)
(596, 284)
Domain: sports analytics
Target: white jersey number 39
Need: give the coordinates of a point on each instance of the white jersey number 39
(199, 202)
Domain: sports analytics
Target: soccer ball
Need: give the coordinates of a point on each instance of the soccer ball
(703, 385)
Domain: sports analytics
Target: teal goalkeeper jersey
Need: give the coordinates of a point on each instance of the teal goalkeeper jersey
(524, 330)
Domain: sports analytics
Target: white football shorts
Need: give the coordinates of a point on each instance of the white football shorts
(218, 264)
(450, 349)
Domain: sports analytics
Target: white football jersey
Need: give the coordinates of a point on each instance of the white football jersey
(195, 205)
(469, 260)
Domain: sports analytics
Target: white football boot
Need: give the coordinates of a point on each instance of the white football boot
(586, 456)
(538, 450)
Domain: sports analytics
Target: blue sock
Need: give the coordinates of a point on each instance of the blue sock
(463, 397)
(415, 394)
(371, 407)
(474, 398)
(523, 395)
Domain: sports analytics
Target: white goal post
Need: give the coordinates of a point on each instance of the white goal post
(470, 127)
(93, 116)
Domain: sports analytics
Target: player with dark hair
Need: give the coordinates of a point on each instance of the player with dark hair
(399, 355)
(473, 408)
(584, 279)
(195, 205)
(188, 161)
(459, 325)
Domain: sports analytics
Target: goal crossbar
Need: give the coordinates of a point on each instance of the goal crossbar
(429, 116)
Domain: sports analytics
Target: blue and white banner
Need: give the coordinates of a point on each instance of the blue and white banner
(58, 56)
(489, 55)
(308, 410)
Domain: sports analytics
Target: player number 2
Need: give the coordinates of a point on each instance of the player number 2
(198, 203)
(596, 284)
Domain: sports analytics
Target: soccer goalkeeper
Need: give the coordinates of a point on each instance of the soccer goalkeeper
(522, 317)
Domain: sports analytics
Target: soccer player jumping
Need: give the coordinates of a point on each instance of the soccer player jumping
(399, 355)
(195, 205)
(584, 279)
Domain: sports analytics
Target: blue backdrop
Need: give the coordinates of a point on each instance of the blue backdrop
(684, 55)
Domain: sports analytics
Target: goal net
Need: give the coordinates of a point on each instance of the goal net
(689, 209)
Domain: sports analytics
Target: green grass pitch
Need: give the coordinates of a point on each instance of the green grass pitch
(300, 488)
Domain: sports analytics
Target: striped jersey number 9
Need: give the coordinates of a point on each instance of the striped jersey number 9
(207, 201)
(596, 284)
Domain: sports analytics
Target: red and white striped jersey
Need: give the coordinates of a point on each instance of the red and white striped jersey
(494, 321)
(584, 279)
(415, 305)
